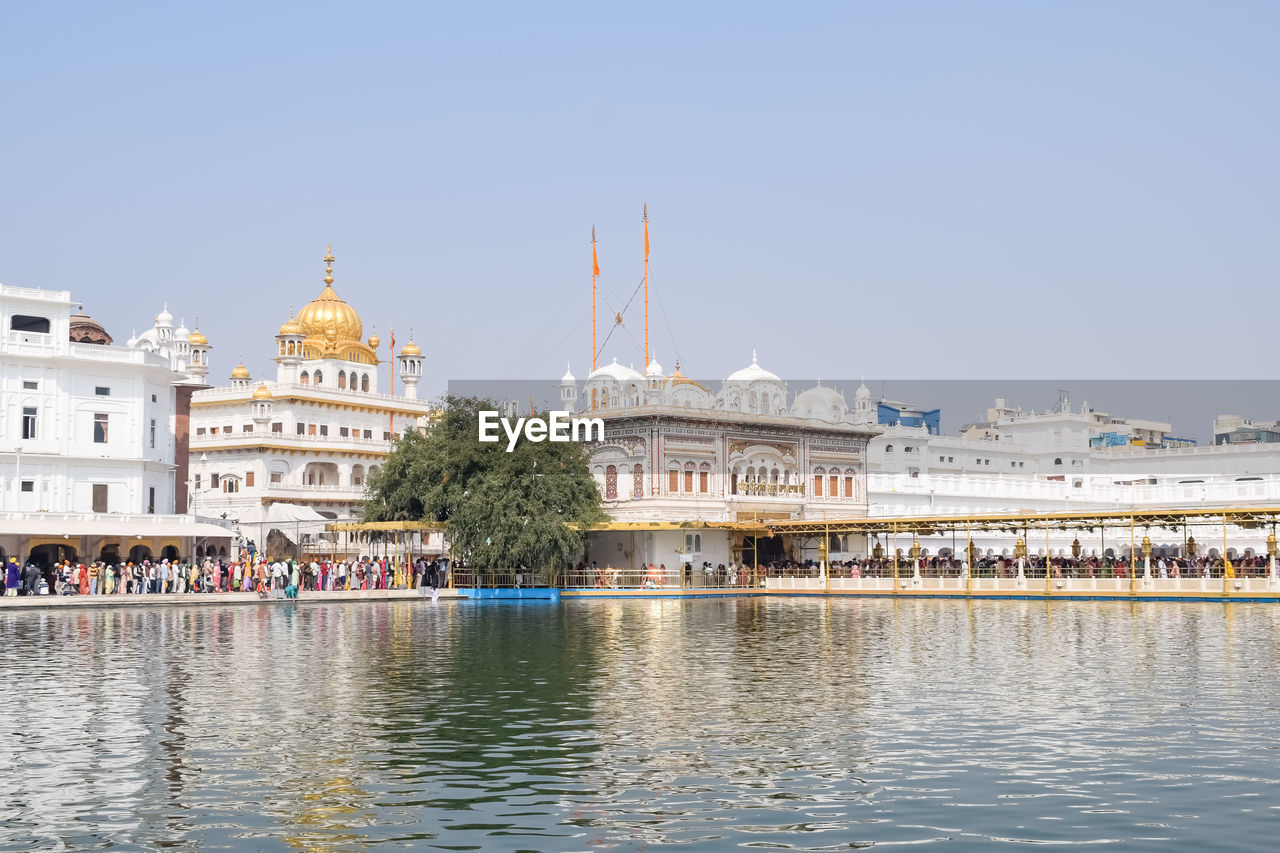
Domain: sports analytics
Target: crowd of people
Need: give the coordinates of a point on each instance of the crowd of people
(252, 574)
(738, 574)
(1007, 567)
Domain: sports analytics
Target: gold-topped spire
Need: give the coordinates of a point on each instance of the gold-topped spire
(328, 265)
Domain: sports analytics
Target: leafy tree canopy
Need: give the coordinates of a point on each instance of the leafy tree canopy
(499, 509)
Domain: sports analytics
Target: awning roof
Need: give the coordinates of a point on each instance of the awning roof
(928, 525)
(108, 526)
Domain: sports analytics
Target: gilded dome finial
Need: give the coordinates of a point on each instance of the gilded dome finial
(328, 265)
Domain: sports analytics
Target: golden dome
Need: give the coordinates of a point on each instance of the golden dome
(374, 340)
(261, 392)
(198, 339)
(679, 378)
(291, 327)
(329, 318)
(240, 372)
(410, 349)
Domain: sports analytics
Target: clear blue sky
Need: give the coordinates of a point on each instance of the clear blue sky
(1021, 190)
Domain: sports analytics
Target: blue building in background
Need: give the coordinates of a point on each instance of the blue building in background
(892, 413)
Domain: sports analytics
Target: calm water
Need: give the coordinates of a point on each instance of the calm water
(803, 725)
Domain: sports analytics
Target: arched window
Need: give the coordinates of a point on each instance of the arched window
(888, 448)
(305, 379)
(818, 474)
(364, 382)
(688, 477)
(1057, 461)
(342, 380)
(637, 488)
(834, 483)
(611, 483)
(697, 543)
(319, 378)
(673, 479)
(27, 323)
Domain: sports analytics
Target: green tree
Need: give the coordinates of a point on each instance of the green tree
(499, 509)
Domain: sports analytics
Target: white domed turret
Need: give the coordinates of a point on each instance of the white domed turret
(164, 325)
(182, 333)
(133, 340)
(653, 375)
(568, 390)
(864, 410)
(752, 373)
(614, 386)
(819, 403)
(753, 390)
(410, 367)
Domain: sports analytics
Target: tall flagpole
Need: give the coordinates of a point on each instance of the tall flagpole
(646, 286)
(595, 273)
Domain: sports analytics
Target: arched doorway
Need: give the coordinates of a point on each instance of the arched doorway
(110, 554)
(138, 553)
(169, 552)
(45, 556)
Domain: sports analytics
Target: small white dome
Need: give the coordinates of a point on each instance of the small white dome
(863, 392)
(752, 373)
(182, 333)
(568, 376)
(820, 402)
(615, 371)
(164, 318)
(132, 342)
(654, 370)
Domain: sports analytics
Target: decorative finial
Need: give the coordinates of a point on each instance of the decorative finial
(753, 356)
(593, 233)
(328, 265)
(646, 211)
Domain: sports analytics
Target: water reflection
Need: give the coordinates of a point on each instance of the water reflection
(795, 724)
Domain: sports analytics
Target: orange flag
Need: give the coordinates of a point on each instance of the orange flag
(646, 235)
(393, 340)
(595, 264)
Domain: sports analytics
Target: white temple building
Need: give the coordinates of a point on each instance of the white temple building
(293, 451)
(92, 443)
(674, 451)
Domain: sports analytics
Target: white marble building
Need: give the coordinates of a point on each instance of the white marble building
(675, 451)
(294, 450)
(92, 438)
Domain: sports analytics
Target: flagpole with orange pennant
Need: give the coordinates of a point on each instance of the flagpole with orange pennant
(646, 286)
(595, 274)
(391, 361)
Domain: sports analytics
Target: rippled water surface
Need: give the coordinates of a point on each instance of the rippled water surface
(775, 724)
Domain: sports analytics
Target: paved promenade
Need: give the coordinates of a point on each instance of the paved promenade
(52, 601)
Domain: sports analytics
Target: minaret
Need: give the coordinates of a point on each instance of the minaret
(568, 391)
(199, 353)
(262, 406)
(290, 342)
(240, 377)
(410, 367)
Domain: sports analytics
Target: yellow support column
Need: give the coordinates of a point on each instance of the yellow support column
(1133, 575)
(1046, 558)
(968, 557)
(826, 561)
(1226, 563)
(895, 558)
